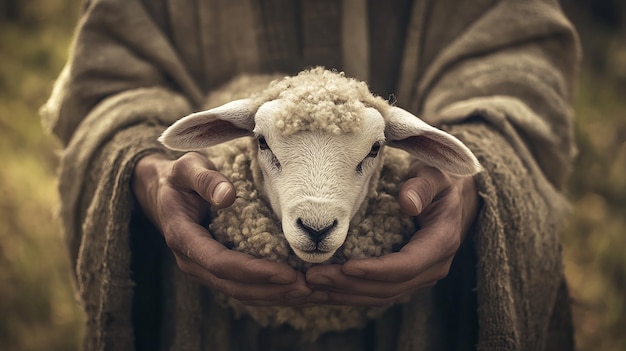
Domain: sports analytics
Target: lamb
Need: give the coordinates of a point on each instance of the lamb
(316, 182)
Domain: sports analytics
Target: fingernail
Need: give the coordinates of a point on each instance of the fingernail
(415, 199)
(296, 294)
(320, 280)
(220, 191)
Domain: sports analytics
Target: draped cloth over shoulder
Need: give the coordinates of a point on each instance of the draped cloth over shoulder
(497, 74)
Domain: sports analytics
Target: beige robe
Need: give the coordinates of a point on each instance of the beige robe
(497, 74)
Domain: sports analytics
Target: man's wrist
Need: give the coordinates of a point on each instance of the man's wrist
(145, 182)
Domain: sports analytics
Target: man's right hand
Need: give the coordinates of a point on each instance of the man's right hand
(177, 195)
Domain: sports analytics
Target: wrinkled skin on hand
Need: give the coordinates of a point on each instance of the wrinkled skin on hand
(445, 207)
(178, 194)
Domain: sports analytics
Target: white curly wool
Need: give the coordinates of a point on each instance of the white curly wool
(319, 99)
(250, 226)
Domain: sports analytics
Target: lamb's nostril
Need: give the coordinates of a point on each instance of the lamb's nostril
(317, 235)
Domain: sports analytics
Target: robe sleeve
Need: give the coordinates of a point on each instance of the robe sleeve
(122, 85)
(504, 86)
(515, 67)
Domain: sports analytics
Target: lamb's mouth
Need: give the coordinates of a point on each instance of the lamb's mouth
(314, 256)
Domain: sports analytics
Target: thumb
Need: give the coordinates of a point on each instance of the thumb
(194, 172)
(420, 191)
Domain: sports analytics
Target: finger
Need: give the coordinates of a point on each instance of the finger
(434, 243)
(177, 206)
(332, 279)
(418, 192)
(438, 239)
(339, 282)
(196, 244)
(275, 295)
(302, 302)
(249, 294)
(195, 172)
(334, 298)
(257, 294)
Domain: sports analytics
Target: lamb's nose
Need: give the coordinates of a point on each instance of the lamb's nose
(316, 234)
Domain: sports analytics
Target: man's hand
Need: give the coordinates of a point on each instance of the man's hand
(176, 196)
(445, 206)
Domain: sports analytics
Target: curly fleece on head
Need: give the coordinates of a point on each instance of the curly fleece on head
(319, 99)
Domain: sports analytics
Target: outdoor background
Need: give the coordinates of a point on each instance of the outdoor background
(38, 310)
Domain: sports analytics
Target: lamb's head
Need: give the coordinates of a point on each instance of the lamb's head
(319, 136)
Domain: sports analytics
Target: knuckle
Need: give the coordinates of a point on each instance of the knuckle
(424, 188)
(430, 284)
(206, 182)
(196, 158)
(449, 243)
(442, 272)
(191, 156)
(179, 170)
(436, 175)
(386, 294)
(172, 240)
(421, 186)
(238, 295)
(191, 166)
(455, 194)
(440, 275)
(454, 244)
(245, 295)
(218, 272)
(184, 265)
(429, 186)
(216, 264)
(203, 179)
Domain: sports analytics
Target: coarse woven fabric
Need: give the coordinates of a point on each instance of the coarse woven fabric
(497, 74)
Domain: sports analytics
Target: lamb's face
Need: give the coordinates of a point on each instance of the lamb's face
(316, 180)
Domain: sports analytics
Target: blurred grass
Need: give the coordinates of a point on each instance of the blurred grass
(595, 244)
(38, 310)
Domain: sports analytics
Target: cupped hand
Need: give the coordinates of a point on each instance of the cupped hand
(177, 196)
(445, 207)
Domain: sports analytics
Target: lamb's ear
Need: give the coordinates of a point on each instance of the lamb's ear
(429, 144)
(211, 127)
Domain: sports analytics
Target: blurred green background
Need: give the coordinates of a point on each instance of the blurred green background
(38, 309)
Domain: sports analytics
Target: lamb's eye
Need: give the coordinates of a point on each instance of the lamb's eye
(269, 156)
(263, 144)
(374, 150)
